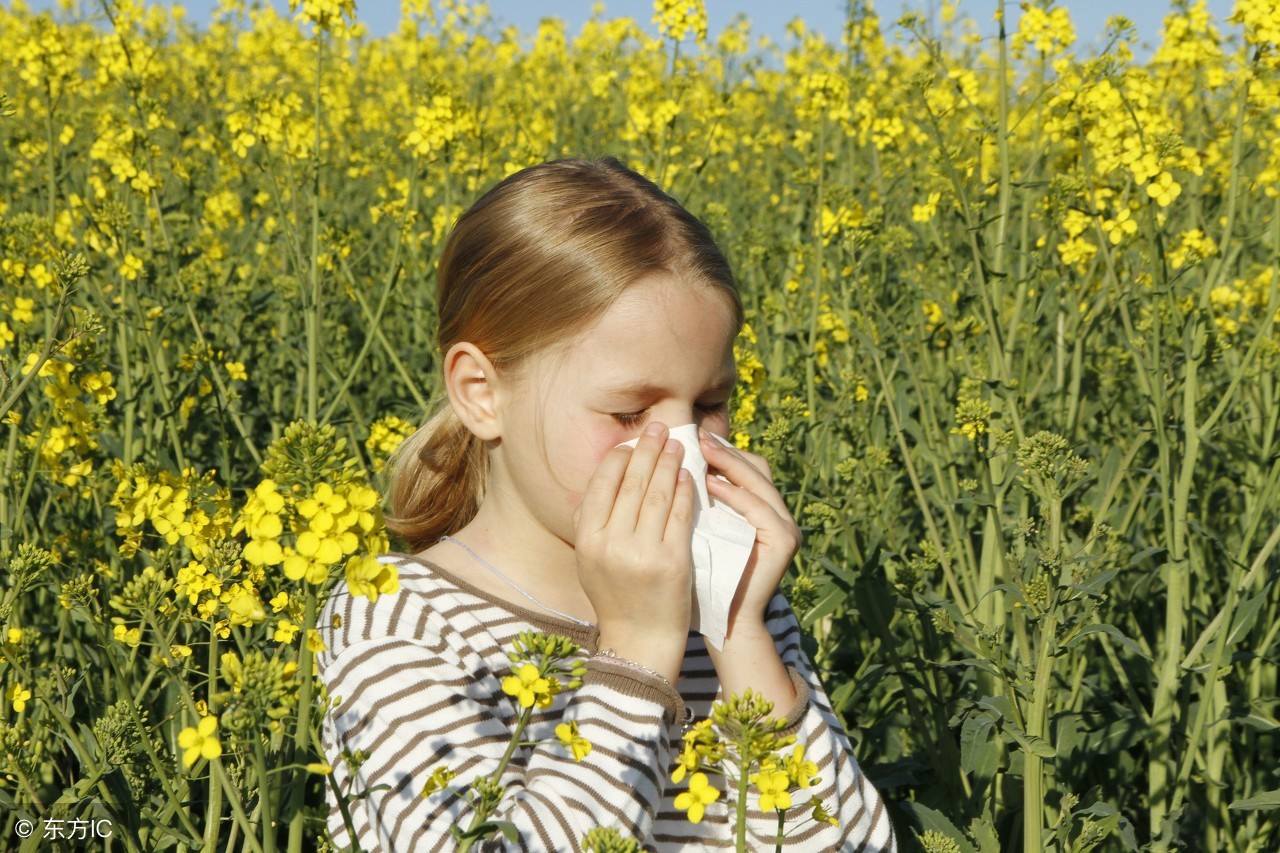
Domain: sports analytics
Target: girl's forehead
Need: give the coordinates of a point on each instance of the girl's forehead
(662, 331)
(666, 303)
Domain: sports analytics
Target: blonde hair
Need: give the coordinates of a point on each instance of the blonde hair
(535, 261)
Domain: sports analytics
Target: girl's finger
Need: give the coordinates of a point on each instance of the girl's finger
(760, 513)
(635, 482)
(602, 490)
(680, 519)
(656, 507)
(741, 472)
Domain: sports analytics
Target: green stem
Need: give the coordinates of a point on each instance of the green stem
(935, 537)
(313, 316)
(264, 797)
(740, 844)
(237, 811)
(301, 735)
(482, 813)
(1033, 820)
(213, 813)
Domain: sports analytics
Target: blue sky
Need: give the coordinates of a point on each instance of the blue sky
(769, 17)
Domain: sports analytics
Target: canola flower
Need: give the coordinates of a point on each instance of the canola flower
(19, 696)
(578, 746)
(529, 687)
(694, 801)
(200, 741)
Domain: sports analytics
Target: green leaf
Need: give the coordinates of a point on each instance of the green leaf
(1261, 802)
(1000, 705)
(984, 835)
(1111, 631)
(1246, 615)
(938, 822)
(1033, 744)
(1094, 585)
(979, 752)
(829, 603)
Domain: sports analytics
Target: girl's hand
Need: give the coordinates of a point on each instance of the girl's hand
(634, 534)
(751, 492)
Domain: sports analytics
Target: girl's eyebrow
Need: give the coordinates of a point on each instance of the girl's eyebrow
(645, 388)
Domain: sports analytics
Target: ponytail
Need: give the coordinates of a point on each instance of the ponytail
(437, 480)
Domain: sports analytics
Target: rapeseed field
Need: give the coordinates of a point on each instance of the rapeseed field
(1012, 351)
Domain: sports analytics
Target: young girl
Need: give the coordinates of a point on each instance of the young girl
(580, 307)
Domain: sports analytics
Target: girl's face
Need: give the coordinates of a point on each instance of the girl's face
(663, 352)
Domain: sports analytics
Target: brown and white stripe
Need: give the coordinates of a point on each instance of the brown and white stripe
(417, 678)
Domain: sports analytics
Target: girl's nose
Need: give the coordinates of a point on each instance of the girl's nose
(675, 415)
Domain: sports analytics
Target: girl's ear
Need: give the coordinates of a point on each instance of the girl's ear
(469, 378)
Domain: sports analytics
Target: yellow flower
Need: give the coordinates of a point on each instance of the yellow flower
(528, 686)
(235, 369)
(285, 631)
(1117, 229)
(246, 609)
(772, 785)
(180, 651)
(434, 126)
(15, 636)
(572, 741)
(314, 643)
(200, 741)
(130, 267)
(1048, 31)
(675, 18)
(279, 601)
(1164, 189)
(129, 636)
(369, 577)
(321, 767)
(18, 696)
(22, 310)
(440, 777)
(321, 508)
(802, 773)
(687, 761)
(928, 210)
(821, 815)
(700, 795)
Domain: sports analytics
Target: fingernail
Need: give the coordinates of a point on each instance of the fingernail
(655, 428)
(704, 435)
(671, 446)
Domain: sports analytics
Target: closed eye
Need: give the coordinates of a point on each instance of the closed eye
(631, 419)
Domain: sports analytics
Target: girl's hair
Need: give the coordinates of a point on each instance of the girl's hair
(534, 262)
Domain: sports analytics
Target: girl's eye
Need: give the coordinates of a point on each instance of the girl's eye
(631, 419)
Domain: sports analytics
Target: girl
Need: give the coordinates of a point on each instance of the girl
(580, 307)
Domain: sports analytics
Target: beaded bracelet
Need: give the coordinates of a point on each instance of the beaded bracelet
(630, 664)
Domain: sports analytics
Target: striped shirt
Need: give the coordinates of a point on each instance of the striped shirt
(416, 679)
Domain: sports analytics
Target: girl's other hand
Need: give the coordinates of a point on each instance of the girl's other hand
(750, 491)
(633, 542)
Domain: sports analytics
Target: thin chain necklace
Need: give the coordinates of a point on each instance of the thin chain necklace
(516, 587)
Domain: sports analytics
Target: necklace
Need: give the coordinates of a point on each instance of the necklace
(509, 582)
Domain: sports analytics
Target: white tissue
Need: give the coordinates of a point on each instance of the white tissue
(722, 543)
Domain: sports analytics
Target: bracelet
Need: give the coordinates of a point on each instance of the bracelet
(630, 664)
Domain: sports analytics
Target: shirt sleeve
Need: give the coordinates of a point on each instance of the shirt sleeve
(844, 789)
(411, 707)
